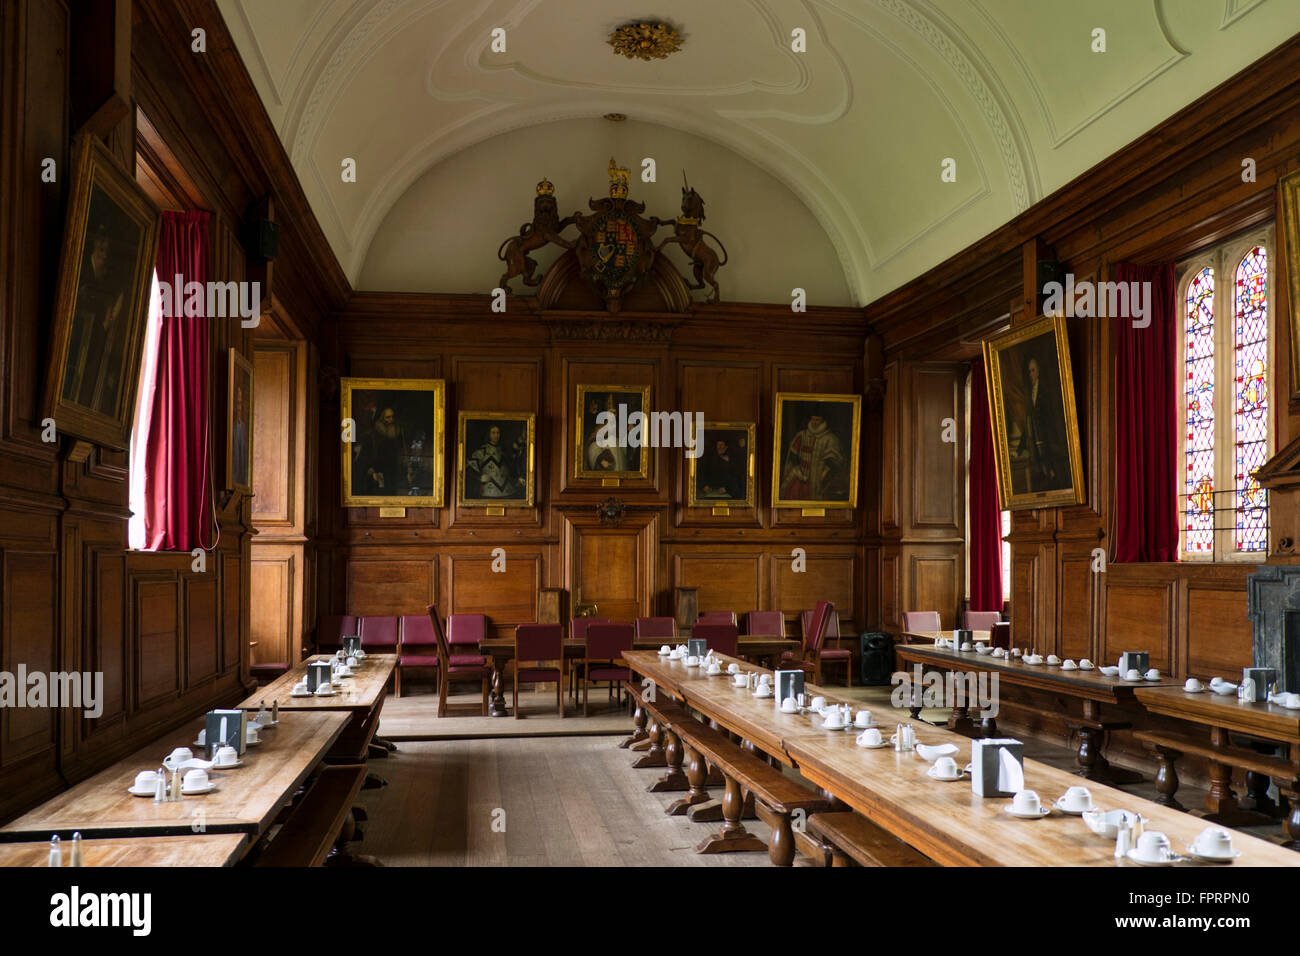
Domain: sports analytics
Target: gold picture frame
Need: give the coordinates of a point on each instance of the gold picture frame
(816, 441)
(101, 307)
(1031, 400)
(507, 464)
(593, 460)
(402, 450)
(716, 473)
(239, 408)
(1289, 188)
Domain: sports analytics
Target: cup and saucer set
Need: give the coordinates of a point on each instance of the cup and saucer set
(945, 768)
(1027, 806)
(1076, 802)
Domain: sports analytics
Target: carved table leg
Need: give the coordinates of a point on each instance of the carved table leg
(497, 698)
(1167, 777)
(732, 836)
(697, 772)
(654, 757)
(639, 722)
(674, 779)
(1257, 797)
(1221, 801)
(781, 849)
(1290, 790)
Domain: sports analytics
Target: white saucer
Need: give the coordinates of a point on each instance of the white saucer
(1132, 855)
(930, 773)
(305, 693)
(1090, 667)
(140, 793)
(1201, 857)
(665, 653)
(1031, 663)
(864, 726)
(764, 696)
(1052, 663)
(228, 766)
(1144, 677)
(1042, 812)
(198, 792)
(826, 726)
(880, 746)
(319, 694)
(1060, 807)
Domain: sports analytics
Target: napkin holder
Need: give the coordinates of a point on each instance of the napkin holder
(789, 684)
(997, 767)
(1134, 660)
(236, 732)
(697, 646)
(318, 672)
(1262, 677)
(352, 644)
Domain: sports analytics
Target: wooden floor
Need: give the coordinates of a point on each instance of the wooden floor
(567, 801)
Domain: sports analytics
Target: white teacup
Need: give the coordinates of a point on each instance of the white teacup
(818, 704)
(1213, 841)
(764, 690)
(1153, 674)
(739, 680)
(225, 756)
(1015, 652)
(765, 678)
(1026, 801)
(1193, 686)
(789, 706)
(325, 689)
(862, 719)
(665, 649)
(871, 737)
(693, 661)
(1053, 659)
(177, 757)
(1216, 681)
(835, 719)
(1153, 846)
(1069, 665)
(1133, 674)
(968, 646)
(300, 687)
(252, 734)
(351, 662)
(196, 779)
(203, 737)
(146, 780)
(1085, 664)
(1289, 700)
(1077, 800)
(945, 767)
(733, 668)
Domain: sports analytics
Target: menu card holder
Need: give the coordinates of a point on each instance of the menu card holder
(789, 684)
(236, 732)
(991, 775)
(318, 672)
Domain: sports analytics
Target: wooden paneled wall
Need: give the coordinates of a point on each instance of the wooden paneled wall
(170, 639)
(1160, 199)
(726, 361)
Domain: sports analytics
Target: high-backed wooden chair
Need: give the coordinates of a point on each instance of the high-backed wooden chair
(919, 622)
(379, 634)
(815, 654)
(765, 623)
(716, 617)
(331, 630)
(417, 648)
(539, 659)
(465, 631)
(578, 632)
(464, 667)
(806, 624)
(723, 638)
(656, 627)
(603, 661)
(979, 620)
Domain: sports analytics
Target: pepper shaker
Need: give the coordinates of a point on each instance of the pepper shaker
(74, 859)
(56, 851)
(1123, 841)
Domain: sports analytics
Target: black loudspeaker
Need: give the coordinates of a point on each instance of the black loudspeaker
(262, 239)
(1049, 270)
(877, 650)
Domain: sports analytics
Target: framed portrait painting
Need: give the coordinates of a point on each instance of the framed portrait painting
(723, 474)
(1035, 431)
(1289, 189)
(101, 306)
(395, 458)
(601, 444)
(239, 426)
(815, 454)
(494, 459)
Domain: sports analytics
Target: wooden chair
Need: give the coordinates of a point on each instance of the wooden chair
(716, 617)
(918, 622)
(537, 645)
(806, 622)
(814, 653)
(765, 623)
(332, 629)
(656, 627)
(460, 666)
(979, 620)
(379, 634)
(578, 632)
(603, 660)
(723, 638)
(417, 648)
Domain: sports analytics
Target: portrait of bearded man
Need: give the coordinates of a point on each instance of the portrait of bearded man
(394, 430)
(378, 469)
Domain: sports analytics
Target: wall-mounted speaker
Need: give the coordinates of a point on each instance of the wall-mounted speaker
(261, 239)
(1049, 270)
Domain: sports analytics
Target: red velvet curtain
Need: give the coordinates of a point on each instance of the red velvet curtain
(1147, 423)
(177, 453)
(985, 514)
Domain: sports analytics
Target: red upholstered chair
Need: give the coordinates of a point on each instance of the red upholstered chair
(716, 617)
(919, 622)
(814, 653)
(979, 620)
(379, 635)
(331, 630)
(418, 647)
(465, 631)
(656, 627)
(722, 638)
(578, 632)
(806, 620)
(539, 659)
(765, 623)
(606, 644)
(458, 666)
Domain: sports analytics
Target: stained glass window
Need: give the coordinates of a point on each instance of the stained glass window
(1198, 454)
(1250, 413)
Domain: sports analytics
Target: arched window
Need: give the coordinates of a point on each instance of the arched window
(1224, 301)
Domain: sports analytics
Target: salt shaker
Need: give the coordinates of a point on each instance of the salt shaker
(160, 786)
(1123, 841)
(56, 851)
(74, 858)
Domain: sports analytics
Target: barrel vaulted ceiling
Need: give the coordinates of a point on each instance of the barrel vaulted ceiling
(839, 149)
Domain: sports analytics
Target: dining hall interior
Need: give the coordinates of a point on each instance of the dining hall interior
(595, 435)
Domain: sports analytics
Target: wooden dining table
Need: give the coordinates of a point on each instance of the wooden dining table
(946, 821)
(198, 849)
(1091, 688)
(246, 799)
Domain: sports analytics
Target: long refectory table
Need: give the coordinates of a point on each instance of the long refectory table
(1092, 688)
(246, 800)
(945, 821)
(200, 849)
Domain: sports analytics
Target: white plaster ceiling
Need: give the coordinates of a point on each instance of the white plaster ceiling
(839, 148)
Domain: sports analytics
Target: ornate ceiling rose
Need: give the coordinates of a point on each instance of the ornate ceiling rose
(645, 41)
